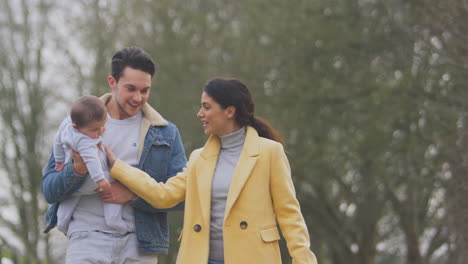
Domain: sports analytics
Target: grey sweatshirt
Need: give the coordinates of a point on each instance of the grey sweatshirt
(231, 148)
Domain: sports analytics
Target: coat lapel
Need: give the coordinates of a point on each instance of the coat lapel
(205, 171)
(244, 167)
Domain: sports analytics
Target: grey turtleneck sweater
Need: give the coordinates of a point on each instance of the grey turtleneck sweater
(231, 148)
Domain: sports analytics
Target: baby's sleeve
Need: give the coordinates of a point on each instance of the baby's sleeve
(59, 150)
(89, 152)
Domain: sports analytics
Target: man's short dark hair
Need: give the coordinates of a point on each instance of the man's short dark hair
(133, 57)
(87, 109)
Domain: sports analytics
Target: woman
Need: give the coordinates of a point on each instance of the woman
(236, 188)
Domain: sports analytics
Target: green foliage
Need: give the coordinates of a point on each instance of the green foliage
(354, 87)
(369, 95)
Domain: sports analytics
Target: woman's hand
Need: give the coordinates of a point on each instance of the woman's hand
(111, 158)
(119, 194)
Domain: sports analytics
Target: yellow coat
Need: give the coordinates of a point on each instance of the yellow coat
(261, 195)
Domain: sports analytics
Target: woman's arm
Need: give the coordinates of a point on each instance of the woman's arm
(176, 163)
(287, 209)
(158, 194)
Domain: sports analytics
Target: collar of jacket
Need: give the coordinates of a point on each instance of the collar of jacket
(251, 146)
(207, 165)
(149, 113)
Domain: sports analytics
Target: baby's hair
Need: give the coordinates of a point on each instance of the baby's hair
(87, 109)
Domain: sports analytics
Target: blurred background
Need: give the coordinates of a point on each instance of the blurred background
(369, 95)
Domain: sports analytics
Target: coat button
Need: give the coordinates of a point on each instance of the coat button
(243, 224)
(197, 228)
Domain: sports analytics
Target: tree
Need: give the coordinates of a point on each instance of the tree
(445, 27)
(22, 106)
(368, 94)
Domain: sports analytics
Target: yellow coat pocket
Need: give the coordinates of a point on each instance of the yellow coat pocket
(270, 234)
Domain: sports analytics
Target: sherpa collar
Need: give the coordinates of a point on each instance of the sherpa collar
(149, 113)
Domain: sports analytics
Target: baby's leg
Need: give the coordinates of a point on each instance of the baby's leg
(65, 212)
(113, 216)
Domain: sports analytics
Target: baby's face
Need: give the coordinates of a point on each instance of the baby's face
(94, 129)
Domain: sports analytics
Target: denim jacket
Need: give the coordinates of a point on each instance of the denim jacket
(162, 156)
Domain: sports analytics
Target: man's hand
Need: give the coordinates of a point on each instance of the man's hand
(119, 194)
(79, 166)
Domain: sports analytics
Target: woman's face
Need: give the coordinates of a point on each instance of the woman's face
(216, 120)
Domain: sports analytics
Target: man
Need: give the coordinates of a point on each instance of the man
(137, 134)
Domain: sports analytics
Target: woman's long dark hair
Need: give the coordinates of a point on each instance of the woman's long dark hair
(232, 92)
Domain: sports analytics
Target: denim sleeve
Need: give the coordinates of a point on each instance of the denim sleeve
(60, 185)
(177, 162)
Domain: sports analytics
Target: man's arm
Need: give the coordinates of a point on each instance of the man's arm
(60, 185)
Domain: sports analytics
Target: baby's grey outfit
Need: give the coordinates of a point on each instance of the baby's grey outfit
(68, 139)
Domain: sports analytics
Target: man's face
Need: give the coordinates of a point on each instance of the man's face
(130, 93)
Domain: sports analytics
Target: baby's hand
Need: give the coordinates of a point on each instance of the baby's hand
(59, 166)
(104, 186)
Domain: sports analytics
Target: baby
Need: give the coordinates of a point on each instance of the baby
(81, 132)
